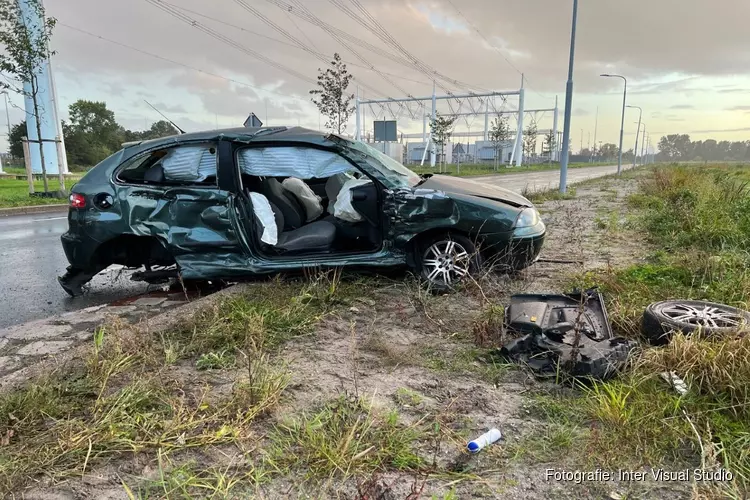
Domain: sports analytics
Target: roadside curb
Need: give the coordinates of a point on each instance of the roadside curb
(34, 209)
(37, 347)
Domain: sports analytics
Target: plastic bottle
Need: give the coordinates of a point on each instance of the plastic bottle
(485, 439)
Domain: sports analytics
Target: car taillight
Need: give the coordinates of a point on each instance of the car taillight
(77, 201)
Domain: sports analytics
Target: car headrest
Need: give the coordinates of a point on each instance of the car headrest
(305, 196)
(291, 210)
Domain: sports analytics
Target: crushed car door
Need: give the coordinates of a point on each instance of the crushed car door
(192, 219)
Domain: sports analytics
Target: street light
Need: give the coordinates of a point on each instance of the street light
(643, 145)
(568, 104)
(640, 115)
(622, 122)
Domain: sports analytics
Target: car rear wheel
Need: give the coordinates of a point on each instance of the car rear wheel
(447, 260)
(660, 319)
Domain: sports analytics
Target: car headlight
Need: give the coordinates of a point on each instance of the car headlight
(528, 223)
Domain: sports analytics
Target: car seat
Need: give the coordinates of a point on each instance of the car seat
(316, 236)
(294, 215)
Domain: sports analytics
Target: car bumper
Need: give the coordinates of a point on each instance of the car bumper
(79, 249)
(516, 253)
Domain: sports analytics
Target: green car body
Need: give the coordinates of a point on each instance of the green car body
(208, 230)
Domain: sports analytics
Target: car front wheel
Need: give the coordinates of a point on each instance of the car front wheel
(447, 260)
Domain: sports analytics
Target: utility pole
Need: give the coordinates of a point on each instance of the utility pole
(581, 150)
(638, 131)
(622, 122)
(596, 125)
(643, 145)
(568, 103)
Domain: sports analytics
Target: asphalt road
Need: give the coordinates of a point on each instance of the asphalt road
(31, 256)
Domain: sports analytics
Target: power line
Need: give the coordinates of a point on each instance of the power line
(226, 40)
(492, 45)
(299, 43)
(282, 42)
(187, 66)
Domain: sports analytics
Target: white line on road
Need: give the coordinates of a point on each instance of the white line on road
(51, 218)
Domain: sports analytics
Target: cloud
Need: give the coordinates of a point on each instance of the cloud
(739, 108)
(682, 106)
(721, 130)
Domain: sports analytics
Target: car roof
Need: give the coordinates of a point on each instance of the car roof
(241, 134)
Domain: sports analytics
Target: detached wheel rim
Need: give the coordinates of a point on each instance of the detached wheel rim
(446, 262)
(703, 315)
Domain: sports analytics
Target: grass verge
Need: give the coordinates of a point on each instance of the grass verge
(697, 217)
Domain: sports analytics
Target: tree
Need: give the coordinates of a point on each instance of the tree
(499, 135)
(26, 44)
(675, 147)
(159, 129)
(331, 98)
(608, 151)
(529, 140)
(15, 141)
(441, 129)
(548, 147)
(92, 134)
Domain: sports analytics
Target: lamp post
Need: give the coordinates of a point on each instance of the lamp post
(643, 145)
(637, 133)
(622, 122)
(568, 104)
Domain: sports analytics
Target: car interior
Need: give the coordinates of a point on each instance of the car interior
(334, 214)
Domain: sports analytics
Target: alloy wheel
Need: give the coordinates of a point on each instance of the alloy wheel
(709, 315)
(446, 262)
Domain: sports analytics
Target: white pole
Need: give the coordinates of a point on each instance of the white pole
(433, 149)
(519, 141)
(486, 119)
(554, 133)
(357, 134)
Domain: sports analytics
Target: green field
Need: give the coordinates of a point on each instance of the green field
(15, 192)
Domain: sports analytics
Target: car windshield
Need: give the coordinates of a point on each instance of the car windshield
(392, 169)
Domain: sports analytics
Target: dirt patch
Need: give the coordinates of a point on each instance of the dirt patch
(410, 362)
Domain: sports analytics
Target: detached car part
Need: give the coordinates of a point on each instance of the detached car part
(660, 319)
(569, 332)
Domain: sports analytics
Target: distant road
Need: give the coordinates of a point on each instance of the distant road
(31, 256)
(546, 179)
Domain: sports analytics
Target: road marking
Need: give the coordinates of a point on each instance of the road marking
(51, 218)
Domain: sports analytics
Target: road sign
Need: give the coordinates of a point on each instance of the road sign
(253, 121)
(385, 131)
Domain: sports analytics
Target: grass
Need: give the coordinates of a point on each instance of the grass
(15, 193)
(472, 169)
(344, 437)
(697, 218)
(132, 396)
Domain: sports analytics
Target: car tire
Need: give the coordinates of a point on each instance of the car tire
(446, 260)
(660, 319)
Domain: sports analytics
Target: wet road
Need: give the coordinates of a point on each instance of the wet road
(31, 256)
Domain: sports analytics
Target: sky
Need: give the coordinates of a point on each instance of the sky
(687, 62)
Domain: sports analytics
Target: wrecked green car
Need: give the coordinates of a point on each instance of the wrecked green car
(233, 203)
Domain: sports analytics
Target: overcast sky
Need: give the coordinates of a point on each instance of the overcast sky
(687, 61)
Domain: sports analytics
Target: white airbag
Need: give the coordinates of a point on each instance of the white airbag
(343, 208)
(307, 198)
(285, 161)
(263, 211)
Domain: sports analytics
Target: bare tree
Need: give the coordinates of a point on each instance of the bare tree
(332, 99)
(529, 140)
(441, 129)
(26, 43)
(499, 135)
(550, 142)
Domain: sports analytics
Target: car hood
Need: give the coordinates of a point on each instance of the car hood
(457, 185)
